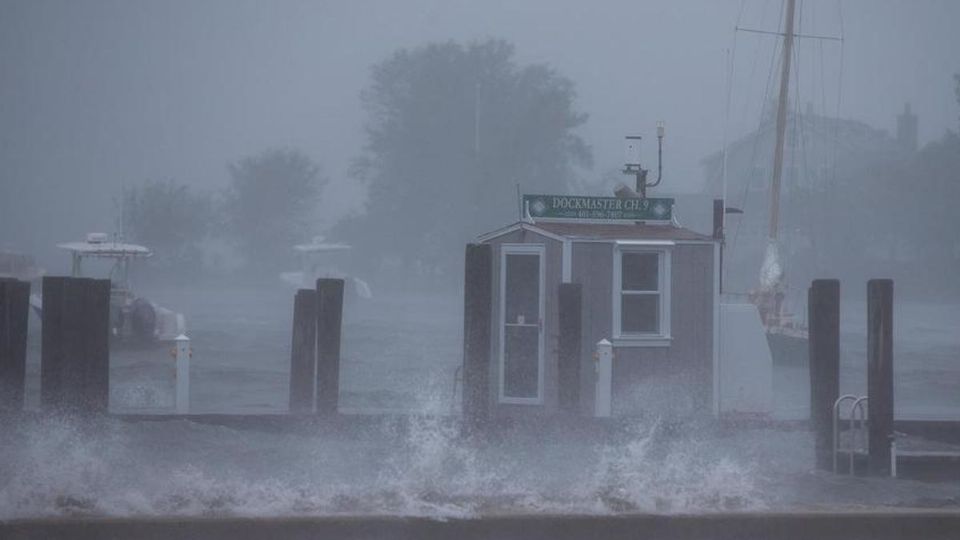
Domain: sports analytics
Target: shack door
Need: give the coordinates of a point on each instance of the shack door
(521, 323)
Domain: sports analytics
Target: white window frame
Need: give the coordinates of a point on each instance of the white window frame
(522, 249)
(663, 337)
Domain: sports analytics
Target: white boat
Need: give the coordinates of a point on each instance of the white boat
(787, 334)
(321, 259)
(132, 318)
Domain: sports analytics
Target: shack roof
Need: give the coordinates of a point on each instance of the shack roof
(571, 230)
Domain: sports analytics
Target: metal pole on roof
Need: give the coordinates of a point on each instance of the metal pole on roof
(633, 167)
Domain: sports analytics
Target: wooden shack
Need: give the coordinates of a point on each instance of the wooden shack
(646, 285)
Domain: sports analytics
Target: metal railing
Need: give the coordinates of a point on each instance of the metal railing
(858, 412)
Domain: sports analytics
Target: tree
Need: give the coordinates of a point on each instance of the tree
(168, 218)
(451, 131)
(269, 205)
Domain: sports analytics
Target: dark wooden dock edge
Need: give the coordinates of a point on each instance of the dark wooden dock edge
(858, 525)
(947, 431)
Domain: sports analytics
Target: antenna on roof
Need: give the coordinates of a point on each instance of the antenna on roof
(633, 167)
(519, 204)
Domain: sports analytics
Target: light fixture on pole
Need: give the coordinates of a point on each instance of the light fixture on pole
(632, 165)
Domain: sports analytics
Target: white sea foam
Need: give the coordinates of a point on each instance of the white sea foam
(58, 466)
(142, 395)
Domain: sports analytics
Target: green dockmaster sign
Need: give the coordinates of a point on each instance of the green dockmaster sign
(599, 208)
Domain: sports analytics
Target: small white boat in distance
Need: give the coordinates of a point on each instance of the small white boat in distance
(321, 259)
(131, 317)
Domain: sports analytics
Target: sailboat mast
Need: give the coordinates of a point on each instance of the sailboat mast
(781, 124)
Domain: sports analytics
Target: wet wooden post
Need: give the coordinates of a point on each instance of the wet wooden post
(477, 306)
(303, 351)
(823, 314)
(73, 335)
(75, 354)
(329, 321)
(569, 347)
(718, 233)
(880, 373)
(95, 320)
(14, 314)
(52, 352)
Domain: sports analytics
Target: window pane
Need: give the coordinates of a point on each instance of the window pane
(640, 314)
(522, 289)
(521, 361)
(640, 271)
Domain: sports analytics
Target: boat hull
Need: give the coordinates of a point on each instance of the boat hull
(789, 349)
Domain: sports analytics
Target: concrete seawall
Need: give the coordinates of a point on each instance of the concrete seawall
(859, 525)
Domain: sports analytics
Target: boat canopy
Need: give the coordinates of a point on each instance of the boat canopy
(96, 245)
(109, 250)
(318, 244)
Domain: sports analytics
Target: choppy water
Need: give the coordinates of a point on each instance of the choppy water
(59, 466)
(62, 467)
(399, 354)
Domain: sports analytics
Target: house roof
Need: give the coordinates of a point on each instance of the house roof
(850, 135)
(570, 230)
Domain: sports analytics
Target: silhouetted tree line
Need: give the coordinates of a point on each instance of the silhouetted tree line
(266, 208)
(170, 218)
(452, 131)
(903, 219)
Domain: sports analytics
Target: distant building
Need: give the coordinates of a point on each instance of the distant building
(817, 150)
(820, 153)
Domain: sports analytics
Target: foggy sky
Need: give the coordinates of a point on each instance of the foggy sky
(94, 94)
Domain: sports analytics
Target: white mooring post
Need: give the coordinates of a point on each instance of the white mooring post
(893, 457)
(604, 371)
(183, 353)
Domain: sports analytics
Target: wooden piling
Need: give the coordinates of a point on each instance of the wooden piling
(329, 321)
(719, 234)
(880, 373)
(569, 346)
(477, 306)
(75, 354)
(303, 352)
(824, 344)
(52, 352)
(96, 359)
(73, 370)
(14, 314)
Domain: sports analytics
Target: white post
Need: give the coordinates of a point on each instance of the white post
(604, 371)
(183, 373)
(893, 457)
